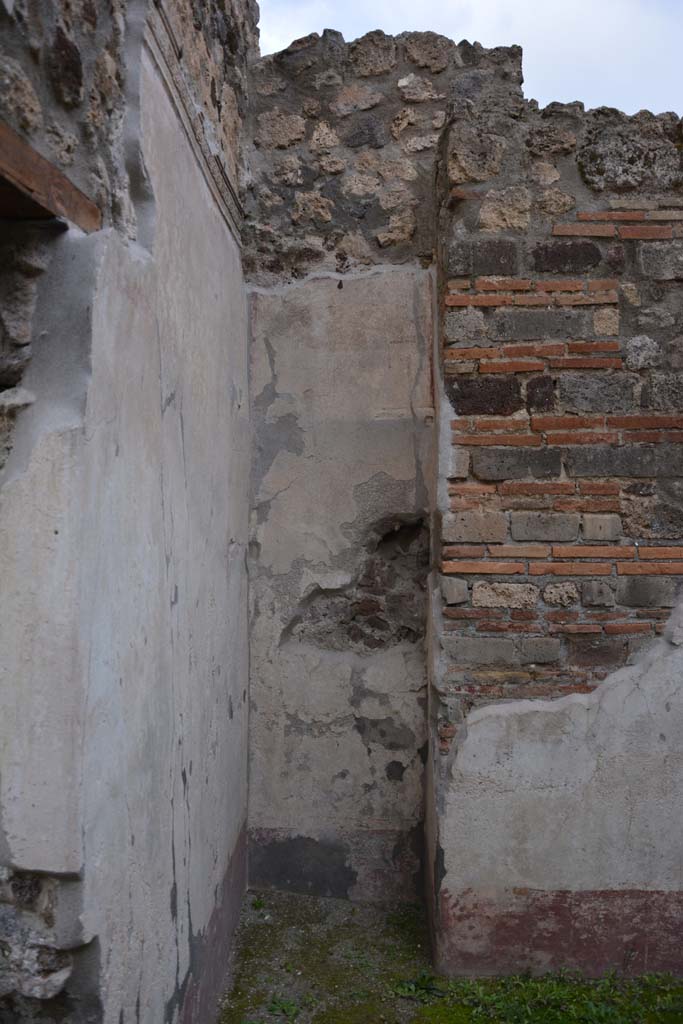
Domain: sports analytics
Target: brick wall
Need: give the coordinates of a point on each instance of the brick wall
(562, 492)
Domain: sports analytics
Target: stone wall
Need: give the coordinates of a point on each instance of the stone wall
(561, 490)
(340, 238)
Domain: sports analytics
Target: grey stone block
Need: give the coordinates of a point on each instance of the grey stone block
(646, 592)
(662, 261)
(536, 324)
(637, 460)
(597, 594)
(596, 526)
(538, 650)
(560, 526)
(541, 463)
(476, 650)
(664, 391)
(454, 590)
(475, 527)
(573, 257)
(589, 392)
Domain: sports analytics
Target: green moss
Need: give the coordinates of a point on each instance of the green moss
(330, 962)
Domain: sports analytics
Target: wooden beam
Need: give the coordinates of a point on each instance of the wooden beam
(43, 185)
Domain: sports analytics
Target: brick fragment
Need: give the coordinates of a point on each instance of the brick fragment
(585, 230)
(468, 568)
(568, 285)
(623, 628)
(661, 552)
(580, 627)
(586, 363)
(507, 284)
(645, 231)
(586, 347)
(511, 440)
(650, 568)
(519, 550)
(571, 568)
(566, 422)
(530, 489)
(612, 215)
(582, 437)
(512, 366)
(594, 551)
(464, 550)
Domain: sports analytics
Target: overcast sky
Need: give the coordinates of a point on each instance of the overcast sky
(617, 53)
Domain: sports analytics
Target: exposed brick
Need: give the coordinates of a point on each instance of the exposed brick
(566, 422)
(650, 568)
(567, 285)
(582, 437)
(519, 550)
(580, 627)
(562, 616)
(661, 552)
(584, 347)
(462, 354)
(512, 366)
(603, 284)
(511, 440)
(494, 424)
(585, 230)
(638, 422)
(524, 489)
(612, 215)
(586, 363)
(570, 568)
(508, 284)
(544, 526)
(470, 614)
(468, 568)
(590, 299)
(594, 551)
(536, 349)
(599, 487)
(464, 550)
(645, 231)
(458, 284)
(622, 628)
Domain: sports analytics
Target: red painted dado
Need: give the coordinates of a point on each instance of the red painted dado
(515, 930)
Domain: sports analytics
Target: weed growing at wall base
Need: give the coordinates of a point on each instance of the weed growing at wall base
(326, 961)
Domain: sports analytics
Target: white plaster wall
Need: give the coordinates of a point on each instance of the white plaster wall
(163, 618)
(341, 397)
(123, 618)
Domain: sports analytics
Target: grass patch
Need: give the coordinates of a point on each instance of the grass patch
(330, 962)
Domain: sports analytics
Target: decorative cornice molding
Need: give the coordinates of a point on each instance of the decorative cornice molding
(166, 53)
